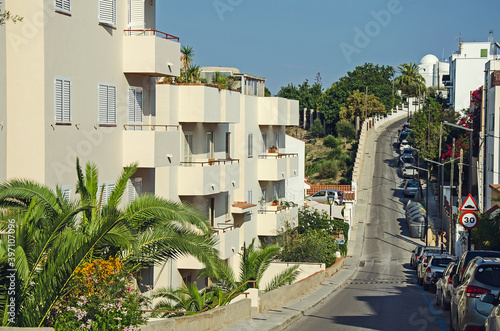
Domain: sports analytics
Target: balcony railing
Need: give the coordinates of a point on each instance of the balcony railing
(152, 126)
(277, 155)
(147, 32)
(211, 162)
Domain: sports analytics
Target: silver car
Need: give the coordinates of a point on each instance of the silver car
(411, 188)
(323, 195)
(424, 262)
(435, 269)
(481, 276)
(408, 171)
(493, 320)
(444, 286)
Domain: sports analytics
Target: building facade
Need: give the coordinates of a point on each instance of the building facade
(82, 82)
(3, 102)
(467, 72)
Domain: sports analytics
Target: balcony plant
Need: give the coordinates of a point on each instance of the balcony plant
(272, 149)
(275, 202)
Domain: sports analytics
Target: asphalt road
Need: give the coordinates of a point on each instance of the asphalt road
(383, 294)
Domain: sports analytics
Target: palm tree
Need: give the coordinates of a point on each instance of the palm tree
(410, 81)
(54, 236)
(186, 58)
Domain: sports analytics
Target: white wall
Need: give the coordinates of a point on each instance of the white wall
(492, 127)
(295, 185)
(3, 102)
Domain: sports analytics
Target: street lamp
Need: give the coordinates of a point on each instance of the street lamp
(470, 150)
(330, 200)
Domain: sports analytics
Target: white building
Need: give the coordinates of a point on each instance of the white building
(81, 82)
(3, 102)
(492, 127)
(433, 70)
(467, 72)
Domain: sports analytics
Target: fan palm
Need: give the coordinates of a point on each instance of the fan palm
(53, 236)
(411, 81)
(186, 58)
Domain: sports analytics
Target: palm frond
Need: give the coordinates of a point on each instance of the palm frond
(286, 277)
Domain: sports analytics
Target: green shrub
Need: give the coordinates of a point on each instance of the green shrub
(317, 128)
(313, 246)
(331, 141)
(328, 169)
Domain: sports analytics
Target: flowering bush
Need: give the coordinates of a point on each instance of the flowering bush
(100, 298)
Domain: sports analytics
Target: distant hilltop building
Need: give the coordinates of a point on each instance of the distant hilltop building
(433, 71)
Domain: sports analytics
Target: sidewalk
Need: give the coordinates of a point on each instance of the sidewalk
(281, 317)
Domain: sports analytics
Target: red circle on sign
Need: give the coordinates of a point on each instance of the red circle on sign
(468, 220)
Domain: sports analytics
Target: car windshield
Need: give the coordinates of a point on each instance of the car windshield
(441, 262)
(412, 184)
(489, 275)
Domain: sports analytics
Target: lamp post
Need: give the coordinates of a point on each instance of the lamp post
(330, 202)
(470, 150)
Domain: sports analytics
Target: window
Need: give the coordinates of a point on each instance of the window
(484, 52)
(135, 107)
(210, 145)
(263, 192)
(63, 6)
(62, 100)
(277, 139)
(134, 188)
(250, 145)
(107, 12)
(249, 196)
(66, 192)
(188, 146)
(228, 145)
(276, 193)
(264, 142)
(107, 188)
(107, 104)
(136, 19)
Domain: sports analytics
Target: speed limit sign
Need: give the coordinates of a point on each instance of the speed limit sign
(468, 220)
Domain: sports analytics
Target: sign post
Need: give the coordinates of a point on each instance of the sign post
(468, 219)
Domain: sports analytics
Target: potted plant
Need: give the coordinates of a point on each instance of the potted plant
(275, 202)
(272, 149)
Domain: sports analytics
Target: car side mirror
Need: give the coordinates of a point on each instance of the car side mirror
(455, 280)
(488, 298)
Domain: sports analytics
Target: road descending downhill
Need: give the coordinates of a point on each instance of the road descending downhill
(383, 293)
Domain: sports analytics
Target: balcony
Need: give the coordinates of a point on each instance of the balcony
(277, 166)
(278, 111)
(208, 177)
(272, 219)
(228, 240)
(151, 53)
(200, 103)
(151, 145)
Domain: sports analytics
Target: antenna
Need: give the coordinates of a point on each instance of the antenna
(442, 56)
(490, 38)
(459, 41)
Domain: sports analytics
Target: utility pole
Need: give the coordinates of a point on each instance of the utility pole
(440, 171)
(393, 71)
(482, 147)
(460, 171)
(451, 199)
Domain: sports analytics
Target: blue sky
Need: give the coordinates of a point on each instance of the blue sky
(288, 41)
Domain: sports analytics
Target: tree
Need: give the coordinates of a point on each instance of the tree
(317, 128)
(411, 82)
(55, 236)
(186, 58)
(267, 93)
(356, 105)
(345, 129)
(6, 16)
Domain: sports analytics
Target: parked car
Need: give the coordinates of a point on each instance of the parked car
(403, 135)
(418, 252)
(493, 320)
(481, 277)
(468, 256)
(322, 196)
(411, 188)
(424, 262)
(406, 158)
(435, 269)
(408, 171)
(402, 145)
(444, 286)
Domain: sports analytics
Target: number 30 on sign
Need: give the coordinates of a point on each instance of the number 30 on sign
(468, 220)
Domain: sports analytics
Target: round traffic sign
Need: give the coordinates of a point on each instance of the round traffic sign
(468, 220)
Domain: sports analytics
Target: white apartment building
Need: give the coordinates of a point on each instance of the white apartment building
(81, 82)
(492, 127)
(3, 102)
(433, 70)
(467, 72)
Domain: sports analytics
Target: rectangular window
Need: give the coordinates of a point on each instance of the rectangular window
(264, 142)
(228, 145)
(134, 188)
(66, 191)
(135, 107)
(136, 19)
(250, 145)
(276, 193)
(210, 145)
(62, 100)
(63, 6)
(107, 188)
(484, 52)
(107, 104)
(107, 12)
(188, 146)
(277, 140)
(263, 193)
(250, 197)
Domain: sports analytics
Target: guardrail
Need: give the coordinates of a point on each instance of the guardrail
(277, 155)
(152, 126)
(160, 34)
(211, 162)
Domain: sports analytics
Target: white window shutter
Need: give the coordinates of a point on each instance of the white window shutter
(134, 188)
(107, 12)
(135, 107)
(63, 5)
(138, 106)
(111, 105)
(136, 19)
(58, 100)
(66, 191)
(66, 106)
(131, 106)
(103, 104)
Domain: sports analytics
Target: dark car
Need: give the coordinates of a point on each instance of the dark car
(418, 252)
(468, 256)
(403, 135)
(405, 158)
